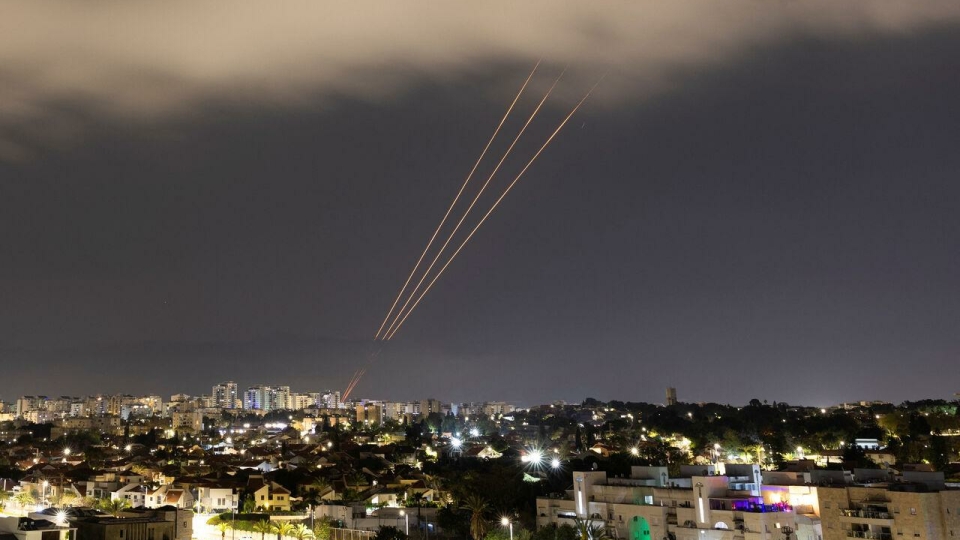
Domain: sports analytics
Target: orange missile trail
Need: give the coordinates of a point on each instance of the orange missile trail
(492, 208)
(357, 375)
(353, 383)
(455, 199)
(346, 391)
(472, 203)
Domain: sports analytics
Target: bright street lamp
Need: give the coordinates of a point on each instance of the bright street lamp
(507, 523)
(406, 519)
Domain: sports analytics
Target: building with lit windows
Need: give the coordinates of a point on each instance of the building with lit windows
(225, 395)
(370, 413)
(877, 504)
(650, 505)
(912, 505)
(266, 398)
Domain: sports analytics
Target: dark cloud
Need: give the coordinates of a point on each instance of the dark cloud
(138, 62)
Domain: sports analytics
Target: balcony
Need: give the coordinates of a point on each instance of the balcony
(867, 517)
(870, 535)
(868, 514)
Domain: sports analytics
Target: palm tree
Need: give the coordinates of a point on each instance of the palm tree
(24, 499)
(478, 507)
(263, 527)
(322, 486)
(222, 527)
(301, 532)
(114, 507)
(358, 478)
(587, 530)
(436, 484)
(282, 528)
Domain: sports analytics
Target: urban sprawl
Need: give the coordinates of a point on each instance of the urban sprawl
(267, 462)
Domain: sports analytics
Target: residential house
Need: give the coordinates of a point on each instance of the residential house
(268, 494)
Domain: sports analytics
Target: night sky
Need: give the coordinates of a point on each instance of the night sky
(760, 200)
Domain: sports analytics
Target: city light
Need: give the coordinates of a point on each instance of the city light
(455, 443)
(555, 463)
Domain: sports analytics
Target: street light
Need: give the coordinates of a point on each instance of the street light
(406, 519)
(507, 523)
(43, 496)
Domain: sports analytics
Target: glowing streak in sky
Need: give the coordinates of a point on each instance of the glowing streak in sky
(472, 203)
(490, 211)
(353, 383)
(455, 199)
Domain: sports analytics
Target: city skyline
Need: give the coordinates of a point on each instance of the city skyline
(758, 201)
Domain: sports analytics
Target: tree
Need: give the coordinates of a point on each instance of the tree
(588, 530)
(263, 527)
(67, 498)
(418, 499)
(387, 532)
(553, 532)
(478, 507)
(358, 479)
(321, 529)
(454, 521)
(114, 507)
(282, 528)
(301, 532)
(223, 526)
(24, 499)
(249, 505)
(938, 453)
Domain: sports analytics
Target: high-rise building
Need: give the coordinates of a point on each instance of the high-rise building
(225, 395)
(329, 400)
(497, 408)
(370, 413)
(671, 396)
(266, 398)
(428, 406)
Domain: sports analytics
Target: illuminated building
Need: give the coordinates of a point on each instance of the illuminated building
(225, 395)
(651, 505)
